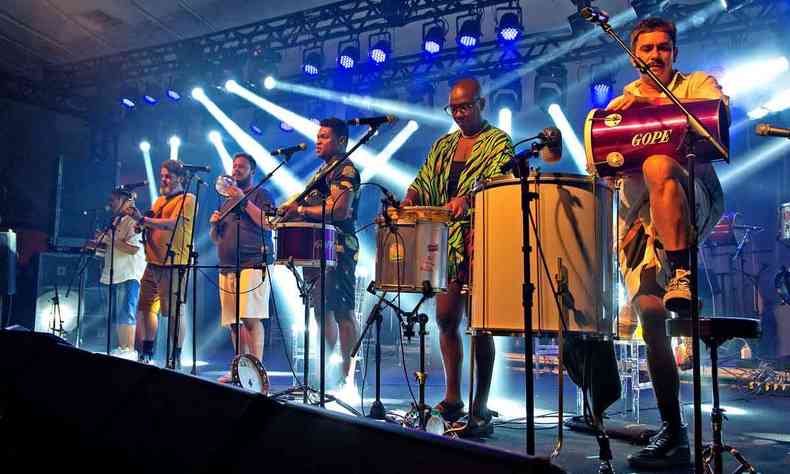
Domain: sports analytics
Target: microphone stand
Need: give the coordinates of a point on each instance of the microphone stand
(111, 286)
(192, 262)
(377, 411)
(316, 184)
(696, 131)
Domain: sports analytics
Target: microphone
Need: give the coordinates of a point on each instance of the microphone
(289, 150)
(373, 121)
(551, 152)
(594, 15)
(767, 130)
(130, 186)
(197, 168)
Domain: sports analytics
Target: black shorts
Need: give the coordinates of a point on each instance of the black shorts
(340, 284)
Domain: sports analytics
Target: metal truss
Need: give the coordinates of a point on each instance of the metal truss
(345, 19)
(722, 31)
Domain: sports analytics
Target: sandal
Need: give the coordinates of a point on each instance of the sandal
(450, 411)
(475, 427)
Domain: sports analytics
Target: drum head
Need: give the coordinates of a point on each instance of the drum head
(249, 374)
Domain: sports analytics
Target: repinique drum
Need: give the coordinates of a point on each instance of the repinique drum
(413, 250)
(784, 222)
(302, 242)
(575, 229)
(619, 142)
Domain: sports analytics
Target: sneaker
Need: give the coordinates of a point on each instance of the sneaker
(451, 411)
(475, 426)
(668, 448)
(678, 295)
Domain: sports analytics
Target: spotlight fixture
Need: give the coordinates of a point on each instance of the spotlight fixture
(214, 136)
(348, 54)
(128, 95)
(312, 61)
(286, 127)
(551, 82)
(269, 82)
(256, 129)
(646, 8)
(468, 31)
(509, 96)
(173, 95)
(128, 103)
(733, 5)
(174, 141)
(433, 37)
(380, 48)
(510, 26)
(145, 147)
(601, 90)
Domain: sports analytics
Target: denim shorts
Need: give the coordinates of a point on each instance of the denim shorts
(126, 295)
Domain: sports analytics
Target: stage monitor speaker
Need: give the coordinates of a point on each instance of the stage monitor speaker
(101, 413)
(7, 263)
(58, 299)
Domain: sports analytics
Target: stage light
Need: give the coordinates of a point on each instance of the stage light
(173, 95)
(380, 48)
(646, 8)
(510, 27)
(508, 96)
(733, 5)
(283, 179)
(198, 93)
(214, 136)
(505, 122)
(175, 144)
(433, 37)
(269, 83)
(286, 127)
(149, 99)
(747, 77)
(348, 54)
(778, 103)
(550, 84)
(569, 137)
(312, 61)
(601, 87)
(384, 156)
(145, 147)
(256, 129)
(227, 161)
(468, 34)
(128, 103)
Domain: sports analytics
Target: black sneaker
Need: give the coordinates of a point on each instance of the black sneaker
(678, 295)
(669, 448)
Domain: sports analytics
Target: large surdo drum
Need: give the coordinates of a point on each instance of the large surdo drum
(303, 242)
(575, 227)
(412, 250)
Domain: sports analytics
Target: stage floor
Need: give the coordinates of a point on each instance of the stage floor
(756, 423)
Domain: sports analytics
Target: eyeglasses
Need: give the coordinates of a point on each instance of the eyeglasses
(462, 107)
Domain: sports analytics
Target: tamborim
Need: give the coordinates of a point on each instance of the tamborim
(248, 373)
(302, 242)
(575, 229)
(619, 142)
(413, 250)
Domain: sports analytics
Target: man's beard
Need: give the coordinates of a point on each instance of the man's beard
(244, 183)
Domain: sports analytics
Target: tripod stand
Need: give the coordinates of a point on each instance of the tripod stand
(308, 393)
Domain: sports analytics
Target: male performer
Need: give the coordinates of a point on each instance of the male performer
(128, 265)
(654, 244)
(254, 252)
(455, 163)
(341, 211)
(172, 218)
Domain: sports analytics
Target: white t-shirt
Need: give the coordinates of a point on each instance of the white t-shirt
(126, 267)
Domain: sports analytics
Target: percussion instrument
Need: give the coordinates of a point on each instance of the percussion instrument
(248, 373)
(723, 232)
(302, 242)
(222, 184)
(575, 230)
(412, 249)
(619, 142)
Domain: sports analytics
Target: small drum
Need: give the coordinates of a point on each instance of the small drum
(619, 142)
(302, 242)
(575, 224)
(249, 374)
(723, 232)
(413, 250)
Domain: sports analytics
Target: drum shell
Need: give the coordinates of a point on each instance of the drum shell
(421, 232)
(633, 135)
(302, 242)
(574, 219)
(784, 222)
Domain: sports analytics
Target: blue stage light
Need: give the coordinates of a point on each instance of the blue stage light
(380, 48)
(312, 61)
(510, 27)
(469, 33)
(173, 95)
(128, 103)
(348, 55)
(256, 129)
(433, 38)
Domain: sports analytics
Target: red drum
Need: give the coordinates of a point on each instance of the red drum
(619, 142)
(723, 232)
(302, 242)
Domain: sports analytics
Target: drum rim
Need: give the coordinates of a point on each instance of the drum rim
(306, 262)
(303, 225)
(264, 376)
(504, 179)
(439, 214)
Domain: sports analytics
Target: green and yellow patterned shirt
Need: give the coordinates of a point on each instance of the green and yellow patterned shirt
(492, 149)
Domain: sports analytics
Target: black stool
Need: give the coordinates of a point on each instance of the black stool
(714, 332)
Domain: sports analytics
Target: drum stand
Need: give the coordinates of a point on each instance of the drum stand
(696, 131)
(308, 393)
(377, 411)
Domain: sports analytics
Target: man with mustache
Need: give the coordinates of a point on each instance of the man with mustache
(654, 240)
(172, 218)
(254, 249)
